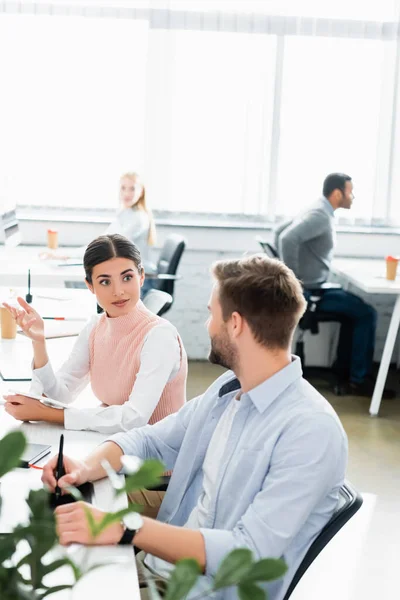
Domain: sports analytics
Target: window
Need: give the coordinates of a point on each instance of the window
(209, 120)
(71, 108)
(330, 117)
(220, 113)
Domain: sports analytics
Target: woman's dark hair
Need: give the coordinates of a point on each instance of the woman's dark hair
(335, 181)
(106, 247)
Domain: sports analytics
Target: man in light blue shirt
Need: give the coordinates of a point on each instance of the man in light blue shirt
(257, 460)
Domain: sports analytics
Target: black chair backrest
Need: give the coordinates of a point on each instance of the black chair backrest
(157, 301)
(168, 261)
(349, 503)
(268, 248)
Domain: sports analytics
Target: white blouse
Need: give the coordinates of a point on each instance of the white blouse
(160, 361)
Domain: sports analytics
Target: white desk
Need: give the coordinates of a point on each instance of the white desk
(120, 560)
(15, 262)
(369, 276)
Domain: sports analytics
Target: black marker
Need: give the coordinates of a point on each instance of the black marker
(60, 467)
(28, 296)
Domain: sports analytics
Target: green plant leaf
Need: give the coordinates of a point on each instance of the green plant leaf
(233, 568)
(12, 447)
(7, 547)
(75, 493)
(57, 564)
(115, 517)
(250, 591)
(148, 476)
(266, 569)
(53, 590)
(182, 579)
(93, 526)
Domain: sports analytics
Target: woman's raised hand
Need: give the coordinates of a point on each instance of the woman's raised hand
(28, 319)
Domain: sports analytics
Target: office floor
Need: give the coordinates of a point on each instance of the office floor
(374, 468)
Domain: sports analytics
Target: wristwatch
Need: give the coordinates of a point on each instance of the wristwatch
(131, 522)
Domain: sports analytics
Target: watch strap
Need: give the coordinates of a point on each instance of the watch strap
(127, 536)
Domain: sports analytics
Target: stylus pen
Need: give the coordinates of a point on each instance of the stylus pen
(78, 264)
(60, 467)
(28, 296)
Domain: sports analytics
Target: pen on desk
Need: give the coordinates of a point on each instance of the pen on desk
(79, 264)
(28, 296)
(65, 318)
(35, 467)
(60, 467)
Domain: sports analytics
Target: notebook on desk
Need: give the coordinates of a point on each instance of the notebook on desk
(59, 329)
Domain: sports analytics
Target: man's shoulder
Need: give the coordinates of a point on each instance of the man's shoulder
(317, 209)
(308, 406)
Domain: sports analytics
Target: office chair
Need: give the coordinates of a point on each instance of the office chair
(157, 301)
(165, 276)
(268, 248)
(349, 503)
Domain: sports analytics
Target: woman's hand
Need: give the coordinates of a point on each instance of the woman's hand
(73, 525)
(76, 473)
(24, 408)
(28, 319)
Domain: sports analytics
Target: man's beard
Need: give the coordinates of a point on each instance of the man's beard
(222, 352)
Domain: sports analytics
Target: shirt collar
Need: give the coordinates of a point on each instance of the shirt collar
(266, 393)
(328, 206)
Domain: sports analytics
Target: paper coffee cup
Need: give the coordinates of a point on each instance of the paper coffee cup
(8, 324)
(391, 267)
(52, 239)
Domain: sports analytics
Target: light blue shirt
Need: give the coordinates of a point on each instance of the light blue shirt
(284, 462)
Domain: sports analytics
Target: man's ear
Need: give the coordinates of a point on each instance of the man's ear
(142, 277)
(236, 324)
(89, 286)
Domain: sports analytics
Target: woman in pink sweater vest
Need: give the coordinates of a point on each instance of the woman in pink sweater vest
(135, 361)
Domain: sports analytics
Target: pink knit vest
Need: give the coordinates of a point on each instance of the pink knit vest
(115, 345)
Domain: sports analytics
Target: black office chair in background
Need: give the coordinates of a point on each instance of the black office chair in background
(165, 273)
(268, 248)
(157, 302)
(350, 501)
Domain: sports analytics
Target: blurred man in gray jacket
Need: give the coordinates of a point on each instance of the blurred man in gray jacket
(306, 245)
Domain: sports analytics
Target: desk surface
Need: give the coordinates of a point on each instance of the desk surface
(369, 275)
(120, 561)
(15, 262)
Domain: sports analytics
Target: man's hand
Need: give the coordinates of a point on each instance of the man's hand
(24, 408)
(73, 525)
(76, 473)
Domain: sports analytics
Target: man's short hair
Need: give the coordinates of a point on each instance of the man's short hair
(266, 293)
(335, 181)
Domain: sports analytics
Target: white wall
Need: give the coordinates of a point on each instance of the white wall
(207, 244)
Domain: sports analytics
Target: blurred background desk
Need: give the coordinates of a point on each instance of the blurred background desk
(369, 275)
(15, 262)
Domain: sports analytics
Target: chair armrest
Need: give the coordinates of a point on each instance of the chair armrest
(320, 288)
(162, 485)
(163, 276)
